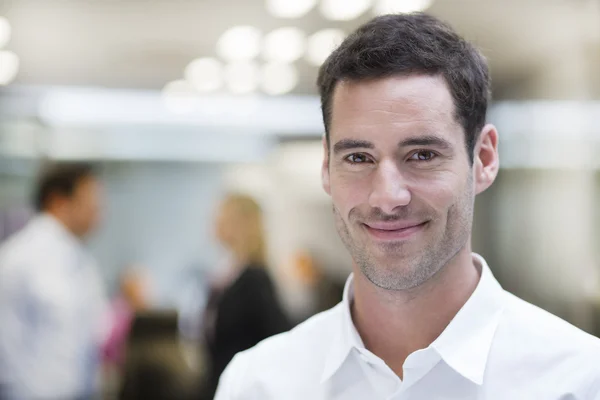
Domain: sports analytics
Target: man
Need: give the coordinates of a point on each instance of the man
(51, 299)
(404, 102)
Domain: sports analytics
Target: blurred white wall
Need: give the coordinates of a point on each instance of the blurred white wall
(159, 216)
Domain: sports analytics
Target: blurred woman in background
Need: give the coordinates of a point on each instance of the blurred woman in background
(242, 308)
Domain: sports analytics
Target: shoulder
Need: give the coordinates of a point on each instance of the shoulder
(253, 279)
(299, 353)
(35, 254)
(535, 324)
(20, 262)
(305, 341)
(34, 242)
(548, 346)
(255, 273)
(16, 251)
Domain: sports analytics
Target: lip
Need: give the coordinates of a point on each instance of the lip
(394, 230)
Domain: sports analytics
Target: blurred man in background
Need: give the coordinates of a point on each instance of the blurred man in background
(407, 149)
(51, 298)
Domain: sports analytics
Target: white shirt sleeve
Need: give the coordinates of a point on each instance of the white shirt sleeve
(224, 390)
(44, 326)
(23, 372)
(100, 304)
(11, 346)
(594, 390)
(230, 382)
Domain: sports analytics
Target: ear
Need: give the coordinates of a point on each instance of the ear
(325, 167)
(486, 160)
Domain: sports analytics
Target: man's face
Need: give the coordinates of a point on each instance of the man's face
(84, 206)
(399, 176)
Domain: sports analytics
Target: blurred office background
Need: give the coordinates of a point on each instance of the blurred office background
(182, 101)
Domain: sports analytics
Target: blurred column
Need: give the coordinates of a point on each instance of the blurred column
(545, 239)
(544, 214)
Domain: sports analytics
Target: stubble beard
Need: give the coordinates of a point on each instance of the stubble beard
(405, 265)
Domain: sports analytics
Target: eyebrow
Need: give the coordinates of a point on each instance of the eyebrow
(349, 144)
(429, 140)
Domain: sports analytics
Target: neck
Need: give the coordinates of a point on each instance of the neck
(60, 217)
(381, 315)
(64, 220)
(239, 260)
(242, 258)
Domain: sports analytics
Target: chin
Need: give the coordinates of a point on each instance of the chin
(395, 252)
(398, 276)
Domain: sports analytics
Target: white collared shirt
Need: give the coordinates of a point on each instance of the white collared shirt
(51, 313)
(497, 347)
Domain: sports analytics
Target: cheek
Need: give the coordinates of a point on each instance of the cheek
(349, 192)
(440, 193)
(95, 208)
(78, 209)
(85, 203)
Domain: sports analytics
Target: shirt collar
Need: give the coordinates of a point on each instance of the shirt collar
(465, 343)
(346, 337)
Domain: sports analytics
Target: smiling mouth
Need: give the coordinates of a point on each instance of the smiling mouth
(395, 230)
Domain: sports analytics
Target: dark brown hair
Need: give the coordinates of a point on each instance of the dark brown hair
(60, 178)
(406, 44)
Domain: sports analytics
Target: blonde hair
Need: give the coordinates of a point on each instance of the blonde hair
(248, 217)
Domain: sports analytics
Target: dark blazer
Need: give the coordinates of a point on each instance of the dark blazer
(247, 312)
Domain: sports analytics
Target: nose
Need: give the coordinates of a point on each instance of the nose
(389, 190)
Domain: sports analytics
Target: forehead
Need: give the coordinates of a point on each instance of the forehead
(412, 104)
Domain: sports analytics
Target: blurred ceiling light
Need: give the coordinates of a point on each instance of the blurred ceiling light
(240, 43)
(284, 45)
(9, 66)
(204, 74)
(278, 78)
(400, 6)
(289, 8)
(5, 31)
(344, 10)
(322, 43)
(179, 97)
(241, 77)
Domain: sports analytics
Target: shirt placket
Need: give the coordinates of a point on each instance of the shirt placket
(381, 378)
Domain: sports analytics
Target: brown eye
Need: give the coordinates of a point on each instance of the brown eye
(357, 158)
(423, 155)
